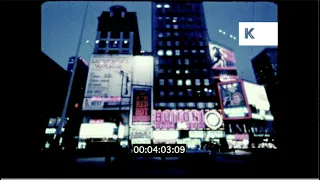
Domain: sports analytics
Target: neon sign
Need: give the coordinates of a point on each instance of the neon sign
(168, 119)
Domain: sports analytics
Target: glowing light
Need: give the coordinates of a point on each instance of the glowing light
(220, 31)
(87, 41)
(159, 6)
(97, 41)
(166, 6)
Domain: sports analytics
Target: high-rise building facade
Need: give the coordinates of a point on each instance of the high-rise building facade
(183, 69)
(118, 32)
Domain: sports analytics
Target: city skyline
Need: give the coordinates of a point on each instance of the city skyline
(62, 21)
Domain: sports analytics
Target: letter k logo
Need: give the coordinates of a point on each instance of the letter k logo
(247, 33)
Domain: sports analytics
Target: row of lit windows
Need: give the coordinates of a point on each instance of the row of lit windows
(187, 71)
(180, 26)
(114, 44)
(177, 34)
(178, 6)
(180, 62)
(177, 43)
(207, 91)
(188, 82)
(178, 52)
(113, 52)
(199, 105)
(115, 34)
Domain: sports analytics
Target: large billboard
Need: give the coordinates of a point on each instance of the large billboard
(187, 120)
(143, 69)
(223, 62)
(233, 100)
(258, 99)
(109, 82)
(141, 106)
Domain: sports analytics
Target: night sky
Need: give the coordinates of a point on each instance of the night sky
(62, 21)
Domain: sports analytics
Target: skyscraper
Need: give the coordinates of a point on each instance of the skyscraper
(183, 69)
(117, 32)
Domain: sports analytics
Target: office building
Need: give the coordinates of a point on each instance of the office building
(118, 32)
(183, 69)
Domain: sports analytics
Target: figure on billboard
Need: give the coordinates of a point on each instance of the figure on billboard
(235, 99)
(218, 59)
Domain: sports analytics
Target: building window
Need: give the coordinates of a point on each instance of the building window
(124, 52)
(202, 51)
(161, 70)
(179, 62)
(115, 34)
(166, 6)
(169, 43)
(160, 53)
(169, 71)
(162, 61)
(180, 93)
(188, 82)
(160, 35)
(170, 82)
(175, 26)
(125, 44)
(126, 34)
(186, 62)
(113, 52)
(205, 71)
(179, 82)
(159, 6)
(171, 93)
(177, 52)
(160, 18)
(113, 44)
(195, 61)
(178, 71)
(169, 53)
(161, 93)
(198, 82)
(161, 82)
(168, 34)
(189, 92)
(102, 44)
(177, 43)
(104, 34)
(187, 71)
(206, 82)
(185, 51)
(194, 51)
(201, 43)
(167, 26)
(160, 43)
(196, 71)
(101, 51)
(176, 34)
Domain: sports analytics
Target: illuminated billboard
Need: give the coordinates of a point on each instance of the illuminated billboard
(233, 100)
(187, 120)
(141, 106)
(109, 82)
(143, 68)
(140, 132)
(223, 62)
(258, 99)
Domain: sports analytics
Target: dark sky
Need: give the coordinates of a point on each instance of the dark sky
(62, 21)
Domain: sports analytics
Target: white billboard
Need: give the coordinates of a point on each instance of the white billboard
(143, 68)
(257, 96)
(108, 76)
(141, 132)
(103, 130)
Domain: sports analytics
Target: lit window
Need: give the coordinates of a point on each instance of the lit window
(194, 51)
(161, 93)
(185, 51)
(181, 104)
(188, 82)
(168, 26)
(169, 53)
(160, 53)
(160, 35)
(176, 34)
(166, 6)
(167, 17)
(179, 62)
(168, 43)
(170, 82)
(159, 6)
(180, 93)
(160, 43)
(168, 34)
(191, 104)
(206, 82)
(172, 105)
(187, 71)
(161, 71)
(200, 105)
(161, 82)
(198, 82)
(179, 83)
(177, 43)
(171, 93)
(201, 51)
(178, 71)
(189, 92)
(177, 52)
(125, 44)
(205, 71)
(210, 105)
(160, 18)
(201, 43)
(175, 26)
(186, 62)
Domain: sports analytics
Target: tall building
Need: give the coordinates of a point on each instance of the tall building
(265, 67)
(183, 69)
(118, 32)
(71, 63)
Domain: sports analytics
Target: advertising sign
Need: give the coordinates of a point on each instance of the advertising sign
(141, 141)
(140, 133)
(108, 76)
(103, 130)
(215, 134)
(168, 119)
(238, 141)
(233, 101)
(223, 61)
(141, 106)
(213, 119)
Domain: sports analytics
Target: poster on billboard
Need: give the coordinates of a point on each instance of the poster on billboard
(109, 76)
(109, 103)
(141, 106)
(140, 132)
(223, 58)
(233, 100)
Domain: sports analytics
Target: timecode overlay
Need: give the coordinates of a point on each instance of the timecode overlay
(159, 149)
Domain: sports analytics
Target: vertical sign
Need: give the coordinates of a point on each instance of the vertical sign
(141, 107)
